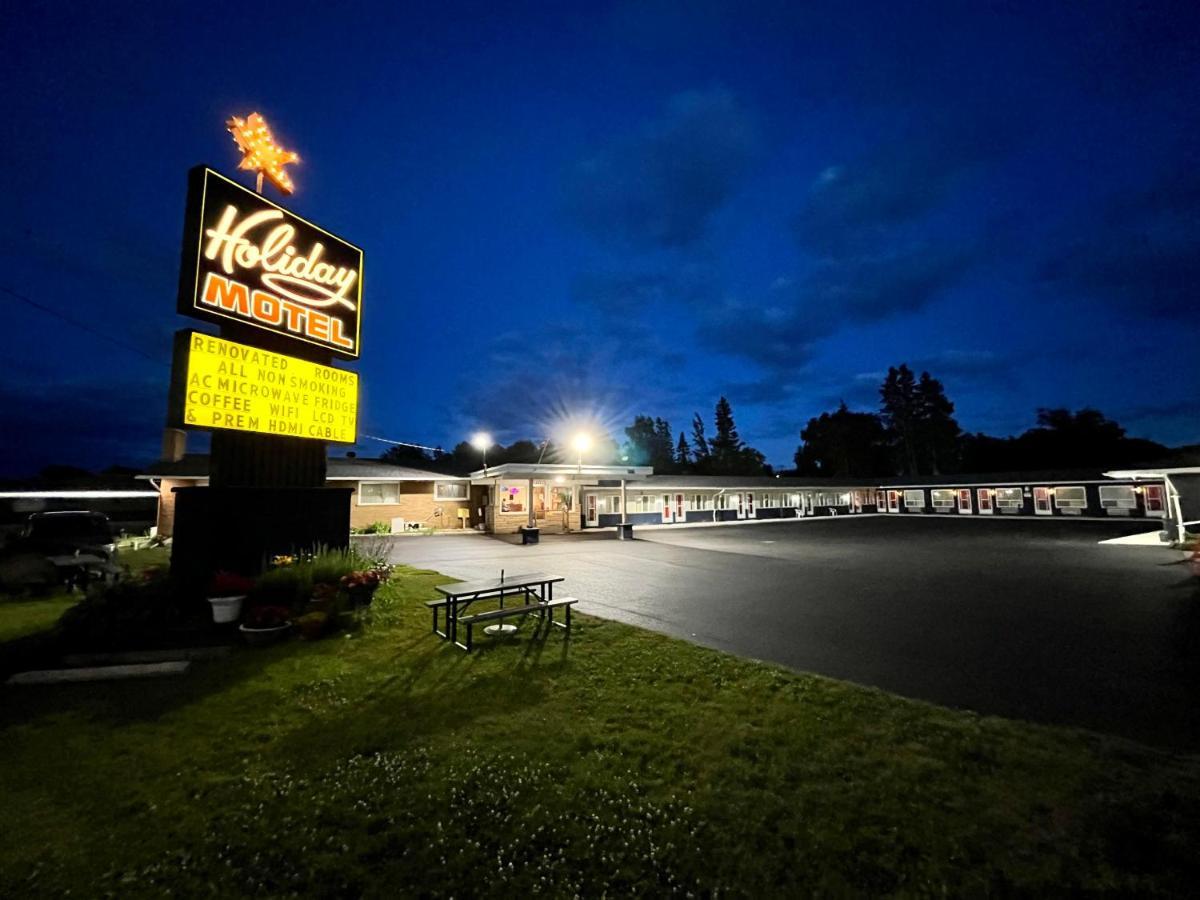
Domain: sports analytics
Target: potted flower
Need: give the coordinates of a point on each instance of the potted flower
(265, 624)
(360, 586)
(226, 593)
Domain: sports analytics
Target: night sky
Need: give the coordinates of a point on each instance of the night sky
(590, 213)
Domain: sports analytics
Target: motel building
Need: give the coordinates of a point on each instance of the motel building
(562, 499)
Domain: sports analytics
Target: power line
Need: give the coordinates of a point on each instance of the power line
(402, 443)
(134, 349)
(82, 325)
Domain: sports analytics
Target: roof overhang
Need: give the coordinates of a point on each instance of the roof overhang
(1138, 474)
(552, 470)
(76, 495)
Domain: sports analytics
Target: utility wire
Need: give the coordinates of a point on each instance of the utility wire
(142, 353)
(82, 325)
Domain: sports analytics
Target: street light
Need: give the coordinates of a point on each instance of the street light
(481, 441)
(582, 442)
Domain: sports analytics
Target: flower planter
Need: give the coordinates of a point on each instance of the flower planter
(258, 637)
(226, 609)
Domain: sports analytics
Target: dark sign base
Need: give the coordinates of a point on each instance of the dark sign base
(241, 529)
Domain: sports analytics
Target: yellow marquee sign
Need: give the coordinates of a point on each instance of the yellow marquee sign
(223, 384)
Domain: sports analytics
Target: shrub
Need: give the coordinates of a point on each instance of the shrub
(267, 616)
(126, 614)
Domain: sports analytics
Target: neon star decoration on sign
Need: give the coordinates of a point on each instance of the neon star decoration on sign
(260, 153)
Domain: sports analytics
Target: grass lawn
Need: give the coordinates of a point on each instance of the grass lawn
(387, 763)
(23, 616)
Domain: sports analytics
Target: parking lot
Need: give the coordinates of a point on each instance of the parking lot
(1031, 620)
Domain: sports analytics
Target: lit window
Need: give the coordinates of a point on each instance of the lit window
(374, 493)
(1009, 498)
(1117, 496)
(1070, 497)
(914, 499)
(943, 499)
(449, 490)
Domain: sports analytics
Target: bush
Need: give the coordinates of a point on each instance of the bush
(373, 528)
(126, 614)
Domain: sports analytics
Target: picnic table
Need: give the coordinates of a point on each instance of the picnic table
(535, 591)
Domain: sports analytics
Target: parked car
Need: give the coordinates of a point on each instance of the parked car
(67, 532)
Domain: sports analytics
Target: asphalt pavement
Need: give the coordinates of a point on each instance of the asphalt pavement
(1025, 619)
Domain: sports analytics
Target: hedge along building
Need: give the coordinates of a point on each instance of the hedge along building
(398, 496)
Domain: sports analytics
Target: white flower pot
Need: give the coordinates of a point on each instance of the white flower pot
(226, 609)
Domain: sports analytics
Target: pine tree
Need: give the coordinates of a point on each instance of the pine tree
(726, 446)
(699, 442)
(683, 453)
(662, 456)
(899, 408)
(937, 428)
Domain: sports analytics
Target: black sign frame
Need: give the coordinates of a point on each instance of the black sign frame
(209, 195)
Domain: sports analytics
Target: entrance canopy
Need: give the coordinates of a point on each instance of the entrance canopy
(560, 471)
(1183, 491)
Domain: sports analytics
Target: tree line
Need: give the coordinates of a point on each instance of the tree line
(649, 441)
(915, 433)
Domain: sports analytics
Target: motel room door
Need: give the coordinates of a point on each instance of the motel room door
(1153, 496)
(680, 515)
(668, 509)
(964, 501)
(893, 501)
(1041, 501)
(985, 501)
(739, 501)
(592, 518)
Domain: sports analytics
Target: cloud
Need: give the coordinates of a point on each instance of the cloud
(838, 293)
(660, 188)
(1140, 251)
(855, 208)
(92, 424)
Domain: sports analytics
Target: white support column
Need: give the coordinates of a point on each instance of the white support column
(624, 504)
(532, 516)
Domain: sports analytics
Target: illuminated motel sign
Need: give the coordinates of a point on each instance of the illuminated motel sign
(223, 384)
(249, 260)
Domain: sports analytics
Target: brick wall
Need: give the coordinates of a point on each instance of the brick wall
(416, 505)
(166, 503)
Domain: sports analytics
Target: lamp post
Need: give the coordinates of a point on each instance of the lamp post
(481, 441)
(582, 442)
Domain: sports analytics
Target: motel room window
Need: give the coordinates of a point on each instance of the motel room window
(1009, 498)
(943, 499)
(1117, 496)
(1070, 497)
(449, 490)
(914, 499)
(376, 493)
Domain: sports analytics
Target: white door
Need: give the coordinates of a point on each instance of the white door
(667, 509)
(1041, 501)
(964, 501)
(893, 501)
(856, 499)
(1155, 502)
(680, 515)
(985, 501)
(750, 505)
(592, 518)
(740, 505)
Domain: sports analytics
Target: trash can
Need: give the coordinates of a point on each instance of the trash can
(625, 531)
(529, 535)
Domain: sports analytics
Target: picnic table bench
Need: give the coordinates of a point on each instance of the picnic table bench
(536, 592)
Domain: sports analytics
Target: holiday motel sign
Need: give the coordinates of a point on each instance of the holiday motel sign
(251, 261)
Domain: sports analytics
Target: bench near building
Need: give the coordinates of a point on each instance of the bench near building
(567, 498)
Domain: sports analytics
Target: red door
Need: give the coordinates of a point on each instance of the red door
(667, 509)
(1155, 500)
(985, 501)
(964, 501)
(1041, 501)
(679, 514)
(893, 504)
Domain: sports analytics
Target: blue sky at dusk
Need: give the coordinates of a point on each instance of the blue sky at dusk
(602, 210)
